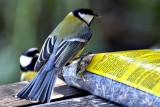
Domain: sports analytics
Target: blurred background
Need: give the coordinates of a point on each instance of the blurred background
(124, 25)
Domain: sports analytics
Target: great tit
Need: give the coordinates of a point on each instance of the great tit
(65, 43)
(27, 62)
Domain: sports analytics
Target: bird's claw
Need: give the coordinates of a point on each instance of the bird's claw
(83, 63)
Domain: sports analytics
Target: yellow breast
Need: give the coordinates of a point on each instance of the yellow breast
(27, 76)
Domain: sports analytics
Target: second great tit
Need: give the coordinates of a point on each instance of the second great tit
(65, 43)
(27, 62)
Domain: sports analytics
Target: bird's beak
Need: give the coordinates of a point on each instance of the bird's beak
(97, 15)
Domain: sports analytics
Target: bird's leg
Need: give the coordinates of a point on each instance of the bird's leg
(83, 63)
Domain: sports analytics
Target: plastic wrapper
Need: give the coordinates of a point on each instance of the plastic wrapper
(142, 65)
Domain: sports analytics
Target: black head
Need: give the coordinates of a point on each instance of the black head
(31, 52)
(28, 59)
(86, 15)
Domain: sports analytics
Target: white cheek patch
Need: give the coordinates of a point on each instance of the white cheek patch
(25, 61)
(86, 17)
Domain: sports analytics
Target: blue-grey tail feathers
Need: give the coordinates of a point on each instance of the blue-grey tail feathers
(40, 88)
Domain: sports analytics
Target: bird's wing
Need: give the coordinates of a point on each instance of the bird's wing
(45, 53)
(69, 47)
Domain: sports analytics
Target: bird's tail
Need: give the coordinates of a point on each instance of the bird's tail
(40, 88)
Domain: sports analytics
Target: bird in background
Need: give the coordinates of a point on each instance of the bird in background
(27, 62)
(65, 43)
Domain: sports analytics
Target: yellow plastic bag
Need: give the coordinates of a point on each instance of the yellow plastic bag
(139, 69)
(130, 78)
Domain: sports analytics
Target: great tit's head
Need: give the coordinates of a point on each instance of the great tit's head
(85, 15)
(28, 59)
(31, 52)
